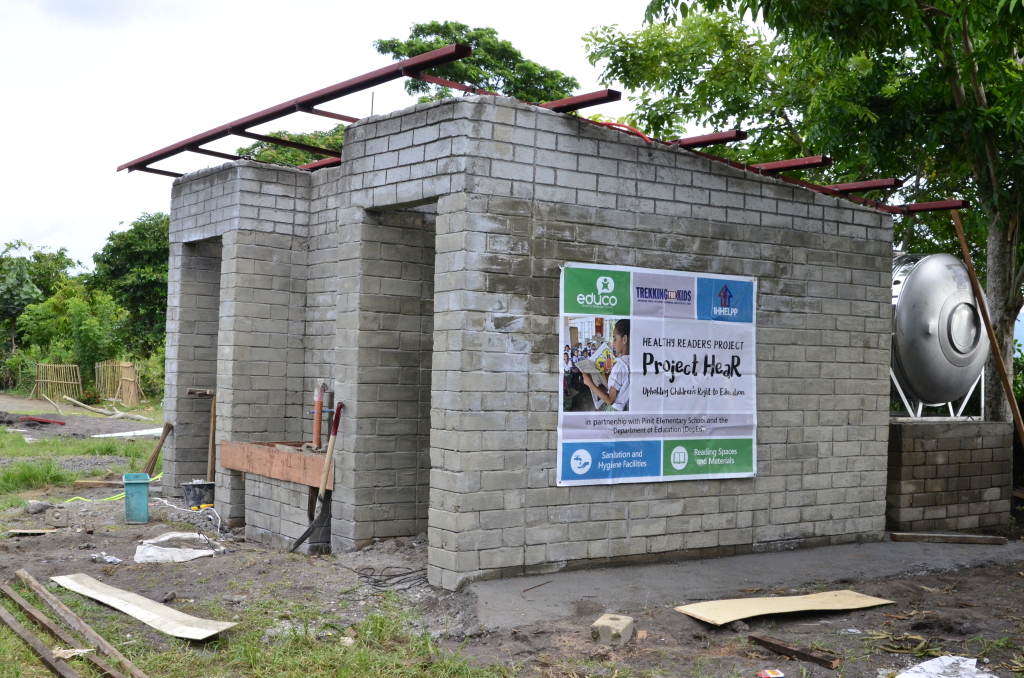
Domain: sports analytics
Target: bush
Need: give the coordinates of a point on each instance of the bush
(78, 321)
(150, 373)
(18, 367)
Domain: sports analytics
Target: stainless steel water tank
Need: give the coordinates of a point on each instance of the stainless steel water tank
(939, 345)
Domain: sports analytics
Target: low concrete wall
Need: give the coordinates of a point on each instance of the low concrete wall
(947, 474)
(275, 515)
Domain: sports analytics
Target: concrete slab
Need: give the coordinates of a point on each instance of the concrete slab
(500, 605)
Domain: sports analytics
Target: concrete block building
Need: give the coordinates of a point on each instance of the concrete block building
(420, 279)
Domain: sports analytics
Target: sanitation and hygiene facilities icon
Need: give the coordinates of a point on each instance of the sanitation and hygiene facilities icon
(679, 458)
(580, 462)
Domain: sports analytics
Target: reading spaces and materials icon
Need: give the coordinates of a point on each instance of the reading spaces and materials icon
(580, 462)
(679, 458)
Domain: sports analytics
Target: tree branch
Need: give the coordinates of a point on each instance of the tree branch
(982, 101)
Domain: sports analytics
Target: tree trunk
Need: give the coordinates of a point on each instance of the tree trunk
(1000, 297)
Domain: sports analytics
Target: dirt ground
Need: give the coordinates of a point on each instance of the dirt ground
(977, 612)
(77, 422)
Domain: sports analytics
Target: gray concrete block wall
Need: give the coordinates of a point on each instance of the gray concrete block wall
(383, 356)
(520, 191)
(276, 514)
(949, 475)
(541, 189)
(193, 302)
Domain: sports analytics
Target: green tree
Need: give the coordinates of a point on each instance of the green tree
(86, 323)
(495, 65)
(930, 93)
(27, 279)
(132, 269)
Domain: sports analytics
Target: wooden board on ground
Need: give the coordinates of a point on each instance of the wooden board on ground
(720, 612)
(31, 533)
(98, 483)
(160, 617)
(1018, 492)
(829, 661)
(55, 664)
(934, 538)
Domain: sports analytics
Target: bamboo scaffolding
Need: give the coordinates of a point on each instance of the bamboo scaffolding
(57, 381)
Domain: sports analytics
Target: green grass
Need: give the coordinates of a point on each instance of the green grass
(14, 445)
(387, 644)
(33, 475)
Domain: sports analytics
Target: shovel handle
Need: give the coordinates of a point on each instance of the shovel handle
(329, 458)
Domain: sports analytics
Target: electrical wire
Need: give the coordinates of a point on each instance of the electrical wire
(393, 578)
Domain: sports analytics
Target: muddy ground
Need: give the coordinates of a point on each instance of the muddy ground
(975, 612)
(75, 425)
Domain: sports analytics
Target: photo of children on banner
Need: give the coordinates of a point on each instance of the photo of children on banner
(603, 371)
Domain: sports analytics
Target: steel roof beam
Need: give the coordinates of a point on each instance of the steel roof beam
(710, 139)
(915, 207)
(287, 143)
(437, 57)
(794, 164)
(583, 101)
(870, 185)
(163, 173)
(325, 114)
(215, 154)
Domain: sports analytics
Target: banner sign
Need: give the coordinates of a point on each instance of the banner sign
(658, 378)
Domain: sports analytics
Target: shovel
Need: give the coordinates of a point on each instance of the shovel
(322, 515)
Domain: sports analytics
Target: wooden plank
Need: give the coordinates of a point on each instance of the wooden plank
(160, 617)
(77, 623)
(720, 612)
(58, 633)
(266, 460)
(1018, 492)
(98, 483)
(58, 666)
(32, 533)
(807, 654)
(933, 538)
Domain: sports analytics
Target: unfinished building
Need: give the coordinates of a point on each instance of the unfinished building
(419, 276)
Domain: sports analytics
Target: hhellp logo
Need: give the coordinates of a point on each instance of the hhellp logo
(725, 296)
(725, 301)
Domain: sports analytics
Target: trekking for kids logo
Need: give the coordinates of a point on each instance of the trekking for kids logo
(595, 291)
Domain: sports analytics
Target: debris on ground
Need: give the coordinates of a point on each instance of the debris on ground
(719, 612)
(829, 661)
(176, 547)
(33, 507)
(154, 614)
(947, 667)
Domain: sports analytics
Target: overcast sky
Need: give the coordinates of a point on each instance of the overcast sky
(90, 84)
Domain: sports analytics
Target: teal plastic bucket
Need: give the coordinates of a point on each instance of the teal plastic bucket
(136, 498)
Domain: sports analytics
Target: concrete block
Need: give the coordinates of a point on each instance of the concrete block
(612, 629)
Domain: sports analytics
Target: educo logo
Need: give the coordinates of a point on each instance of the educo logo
(596, 291)
(604, 296)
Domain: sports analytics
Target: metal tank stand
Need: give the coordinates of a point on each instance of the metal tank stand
(918, 405)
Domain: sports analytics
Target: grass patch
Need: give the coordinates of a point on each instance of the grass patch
(14, 445)
(387, 644)
(34, 475)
